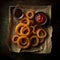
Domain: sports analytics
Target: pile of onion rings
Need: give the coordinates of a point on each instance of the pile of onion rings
(28, 34)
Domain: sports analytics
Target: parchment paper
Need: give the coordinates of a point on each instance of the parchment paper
(46, 47)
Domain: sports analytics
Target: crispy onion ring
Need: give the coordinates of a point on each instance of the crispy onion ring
(30, 14)
(23, 42)
(18, 28)
(41, 39)
(41, 33)
(34, 40)
(33, 29)
(14, 38)
(25, 31)
(25, 20)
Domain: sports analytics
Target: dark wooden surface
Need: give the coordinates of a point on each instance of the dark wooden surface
(4, 6)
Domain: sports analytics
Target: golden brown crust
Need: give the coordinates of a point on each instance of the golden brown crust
(42, 32)
(14, 38)
(25, 20)
(25, 31)
(21, 44)
(30, 12)
(36, 39)
(33, 29)
(18, 28)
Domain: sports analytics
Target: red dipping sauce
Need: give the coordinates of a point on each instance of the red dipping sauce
(40, 17)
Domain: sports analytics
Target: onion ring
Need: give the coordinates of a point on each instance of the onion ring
(25, 21)
(40, 31)
(23, 42)
(33, 29)
(18, 28)
(34, 40)
(14, 38)
(25, 31)
(30, 14)
(41, 39)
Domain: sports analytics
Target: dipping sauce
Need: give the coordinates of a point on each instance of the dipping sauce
(40, 18)
(18, 13)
